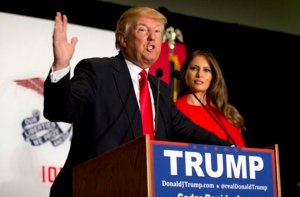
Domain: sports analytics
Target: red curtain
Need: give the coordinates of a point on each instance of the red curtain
(169, 62)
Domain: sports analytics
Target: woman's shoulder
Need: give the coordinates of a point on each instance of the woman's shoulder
(181, 101)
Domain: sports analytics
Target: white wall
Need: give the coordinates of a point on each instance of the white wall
(28, 170)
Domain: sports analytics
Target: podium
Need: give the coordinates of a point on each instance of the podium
(124, 171)
(145, 168)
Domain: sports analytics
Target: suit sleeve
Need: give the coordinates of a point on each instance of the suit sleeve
(66, 99)
(189, 132)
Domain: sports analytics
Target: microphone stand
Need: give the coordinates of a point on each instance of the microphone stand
(159, 73)
(156, 117)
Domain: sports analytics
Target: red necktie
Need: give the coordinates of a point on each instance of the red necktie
(145, 105)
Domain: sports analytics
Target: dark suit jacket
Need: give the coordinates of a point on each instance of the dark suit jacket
(100, 102)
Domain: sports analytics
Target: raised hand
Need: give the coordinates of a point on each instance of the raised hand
(62, 49)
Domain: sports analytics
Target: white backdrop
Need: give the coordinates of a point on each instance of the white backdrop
(32, 151)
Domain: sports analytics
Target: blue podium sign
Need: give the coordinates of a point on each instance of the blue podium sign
(197, 170)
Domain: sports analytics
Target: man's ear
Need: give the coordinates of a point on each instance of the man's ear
(122, 40)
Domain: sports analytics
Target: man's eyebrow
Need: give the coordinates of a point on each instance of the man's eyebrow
(144, 24)
(139, 24)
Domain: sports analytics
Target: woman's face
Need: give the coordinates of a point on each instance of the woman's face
(199, 74)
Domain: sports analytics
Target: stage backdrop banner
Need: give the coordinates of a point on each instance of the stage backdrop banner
(32, 149)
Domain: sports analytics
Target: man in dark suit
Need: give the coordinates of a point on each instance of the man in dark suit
(101, 100)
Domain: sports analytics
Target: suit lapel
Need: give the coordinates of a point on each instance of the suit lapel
(154, 86)
(127, 94)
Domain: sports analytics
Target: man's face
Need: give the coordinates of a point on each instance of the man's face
(143, 42)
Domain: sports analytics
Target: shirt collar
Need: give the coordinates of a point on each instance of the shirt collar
(134, 70)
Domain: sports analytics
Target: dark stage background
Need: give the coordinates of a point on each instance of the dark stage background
(259, 66)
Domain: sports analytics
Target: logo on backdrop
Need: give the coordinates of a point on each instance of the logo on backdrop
(34, 131)
(40, 133)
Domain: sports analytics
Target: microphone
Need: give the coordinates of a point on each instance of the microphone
(176, 75)
(159, 73)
